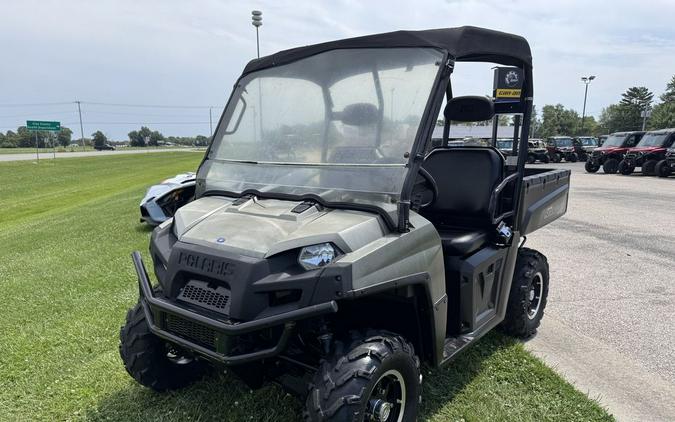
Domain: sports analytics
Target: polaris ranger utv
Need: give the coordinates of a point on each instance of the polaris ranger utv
(561, 147)
(336, 270)
(537, 152)
(584, 146)
(651, 149)
(611, 152)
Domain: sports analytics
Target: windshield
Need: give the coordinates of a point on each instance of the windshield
(563, 142)
(614, 140)
(588, 142)
(653, 140)
(339, 124)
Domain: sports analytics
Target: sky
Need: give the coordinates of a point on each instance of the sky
(182, 57)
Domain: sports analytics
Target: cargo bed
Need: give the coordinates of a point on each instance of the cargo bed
(543, 197)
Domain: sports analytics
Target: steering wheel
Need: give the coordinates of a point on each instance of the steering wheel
(427, 182)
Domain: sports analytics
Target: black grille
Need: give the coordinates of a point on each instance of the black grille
(191, 331)
(597, 153)
(199, 293)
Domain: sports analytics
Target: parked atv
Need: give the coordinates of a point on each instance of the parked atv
(647, 154)
(162, 200)
(666, 167)
(584, 146)
(561, 147)
(537, 151)
(611, 152)
(339, 271)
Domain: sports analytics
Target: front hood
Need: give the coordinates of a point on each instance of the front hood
(645, 150)
(264, 227)
(609, 150)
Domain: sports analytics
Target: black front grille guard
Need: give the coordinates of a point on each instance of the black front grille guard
(154, 305)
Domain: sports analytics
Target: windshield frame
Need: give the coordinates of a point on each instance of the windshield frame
(648, 136)
(424, 129)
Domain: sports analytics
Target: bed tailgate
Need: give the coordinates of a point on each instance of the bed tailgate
(543, 197)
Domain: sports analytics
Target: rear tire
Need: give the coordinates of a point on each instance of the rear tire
(662, 169)
(149, 361)
(649, 168)
(625, 169)
(610, 166)
(527, 299)
(531, 159)
(344, 388)
(591, 168)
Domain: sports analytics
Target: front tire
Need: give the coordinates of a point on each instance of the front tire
(529, 291)
(610, 166)
(591, 168)
(531, 159)
(374, 376)
(649, 168)
(557, 157)
(662, 169)
(149, 360)
(572, 158)
(625, 169)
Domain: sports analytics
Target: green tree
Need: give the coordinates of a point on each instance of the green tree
(98, 138)
(557, 120)
(64, 136)
(633, 102)
(155, 138)
(137, 138)
(663, 114)
(535, 124)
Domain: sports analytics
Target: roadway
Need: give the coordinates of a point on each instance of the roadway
(49, 155)
(609, 326)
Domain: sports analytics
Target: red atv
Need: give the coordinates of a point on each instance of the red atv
(560, 147)
(611, 152)
(651, 149)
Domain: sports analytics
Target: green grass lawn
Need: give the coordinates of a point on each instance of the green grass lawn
(76, 149)
(66, 230)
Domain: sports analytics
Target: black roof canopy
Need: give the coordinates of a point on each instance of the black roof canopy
(466, 43)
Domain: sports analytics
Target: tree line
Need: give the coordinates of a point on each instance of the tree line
(24, 138)
(626, 115)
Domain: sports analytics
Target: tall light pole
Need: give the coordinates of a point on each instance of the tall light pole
(586, 80)
(256, 20)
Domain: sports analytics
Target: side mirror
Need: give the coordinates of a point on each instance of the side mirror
(469, 108)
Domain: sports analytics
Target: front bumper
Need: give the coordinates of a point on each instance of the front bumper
(159, 311)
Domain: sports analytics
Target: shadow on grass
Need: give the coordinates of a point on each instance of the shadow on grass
(143, 228)
(223, 397)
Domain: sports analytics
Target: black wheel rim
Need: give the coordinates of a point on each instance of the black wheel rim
(387, 400)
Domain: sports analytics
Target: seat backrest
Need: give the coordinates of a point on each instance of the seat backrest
(465, 178)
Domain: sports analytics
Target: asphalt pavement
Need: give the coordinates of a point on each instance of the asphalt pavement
(49, 155)
(609, 326)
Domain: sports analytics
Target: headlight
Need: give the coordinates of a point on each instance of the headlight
(316, 256)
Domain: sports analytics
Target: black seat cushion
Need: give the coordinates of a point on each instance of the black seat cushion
(461, 242)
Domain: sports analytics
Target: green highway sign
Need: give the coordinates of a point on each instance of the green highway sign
(42, 125)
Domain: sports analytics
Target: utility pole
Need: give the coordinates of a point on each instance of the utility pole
(256, 20)
(211, 122)
(586, 80)
(645, 113)
(79, 111)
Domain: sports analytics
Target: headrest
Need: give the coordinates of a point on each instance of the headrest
(470, 108)
(359, 114)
